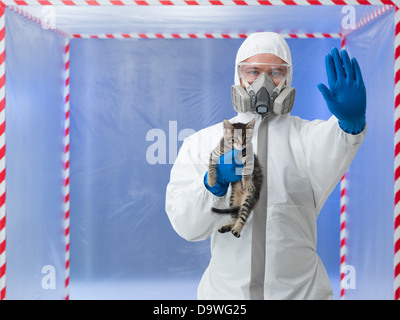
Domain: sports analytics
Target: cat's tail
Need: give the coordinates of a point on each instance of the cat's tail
(231, 210)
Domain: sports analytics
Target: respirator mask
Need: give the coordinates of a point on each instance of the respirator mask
(262, 95)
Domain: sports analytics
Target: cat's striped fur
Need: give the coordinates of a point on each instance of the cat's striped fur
(245, 192)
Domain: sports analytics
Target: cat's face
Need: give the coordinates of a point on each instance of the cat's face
(238, 135)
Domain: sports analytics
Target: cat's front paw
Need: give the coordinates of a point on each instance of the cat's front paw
(236, 234)
(225, 228)
(236, 231)
(211, 180)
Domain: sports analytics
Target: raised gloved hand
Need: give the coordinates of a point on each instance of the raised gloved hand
(347, 98)
(228, 168)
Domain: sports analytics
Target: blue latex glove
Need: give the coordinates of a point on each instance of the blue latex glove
(347, 98)
(226, 172)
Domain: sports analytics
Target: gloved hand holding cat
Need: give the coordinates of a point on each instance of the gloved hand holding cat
(229, 166)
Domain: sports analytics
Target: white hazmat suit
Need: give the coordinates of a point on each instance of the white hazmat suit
(305, 161)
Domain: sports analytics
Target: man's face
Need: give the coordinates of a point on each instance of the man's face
(267, 63)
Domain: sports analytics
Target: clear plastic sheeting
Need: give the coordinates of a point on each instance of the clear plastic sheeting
(370, 209)
(175, 19)
(34, 131)
(132, 103)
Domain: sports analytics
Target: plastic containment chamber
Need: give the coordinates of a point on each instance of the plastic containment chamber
(96, 98)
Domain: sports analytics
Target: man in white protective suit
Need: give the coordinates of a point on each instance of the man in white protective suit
(302, 162)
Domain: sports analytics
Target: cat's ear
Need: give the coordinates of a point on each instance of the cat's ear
(227, 125)
(251, 124)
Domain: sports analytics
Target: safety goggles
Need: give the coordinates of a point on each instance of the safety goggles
(252, 70)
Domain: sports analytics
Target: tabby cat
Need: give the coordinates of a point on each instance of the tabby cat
(245, 192)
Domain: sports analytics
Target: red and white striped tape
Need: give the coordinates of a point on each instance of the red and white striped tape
(397, 157)
(194, 2)
(66, 166)
(2, 157)
(343, 232)
(343, 221)
(213, 35)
